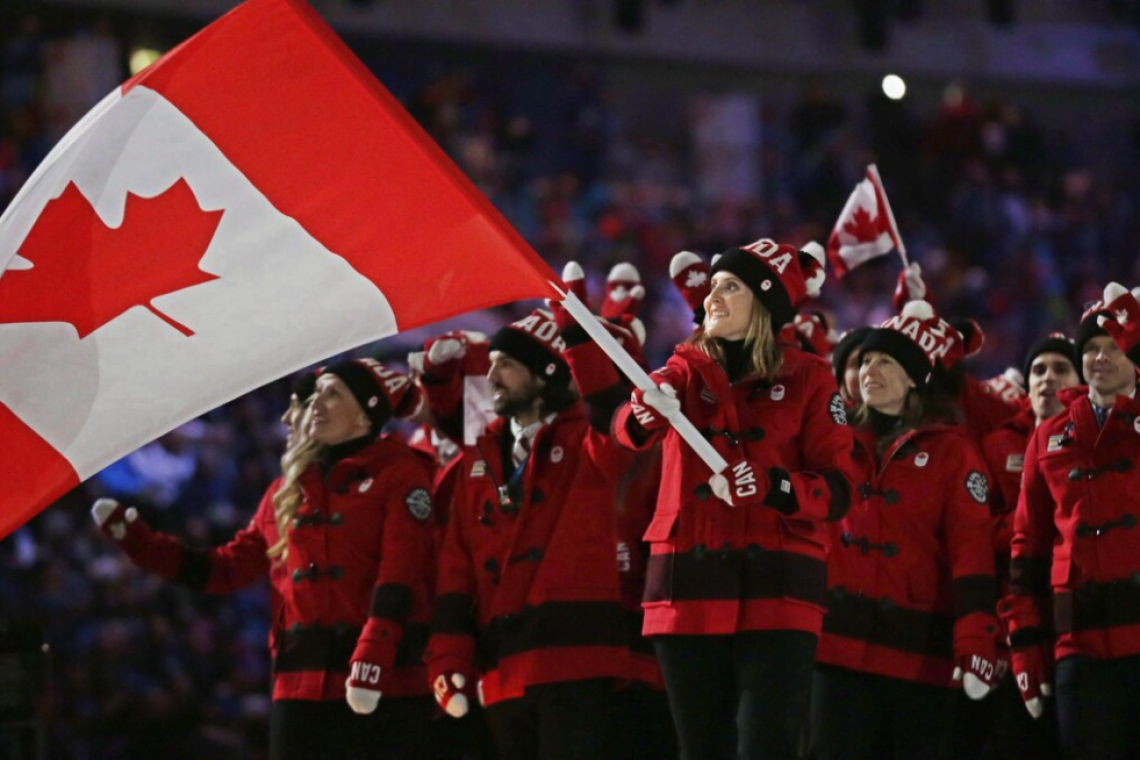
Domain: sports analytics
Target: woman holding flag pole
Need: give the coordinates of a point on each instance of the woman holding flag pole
(737, 573)
(345, 537)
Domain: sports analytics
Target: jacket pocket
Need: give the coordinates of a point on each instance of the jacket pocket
(661, 526)
(802, 532)
(658, 581)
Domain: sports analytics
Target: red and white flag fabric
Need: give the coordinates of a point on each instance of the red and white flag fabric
(251, 204)
(866, 228)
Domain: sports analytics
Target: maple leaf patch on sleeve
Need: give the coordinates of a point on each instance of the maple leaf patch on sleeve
(86, 274)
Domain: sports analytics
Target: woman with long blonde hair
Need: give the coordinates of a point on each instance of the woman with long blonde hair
(344, 535)
(737, 573)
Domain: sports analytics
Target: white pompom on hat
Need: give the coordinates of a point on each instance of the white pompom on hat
(916, 339)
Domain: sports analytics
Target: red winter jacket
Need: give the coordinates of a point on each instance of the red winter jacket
(1077, 533)
(528, 589)
(360, 558)
(1004, 453)
(911, 573)
(716, 569)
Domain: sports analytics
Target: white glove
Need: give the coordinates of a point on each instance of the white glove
(445, 350)
(451, 693)
(914, 284)
(655, 407)
(362, 701)
(112, 519)
(1012, 375)
(664, 399)
(416, 363)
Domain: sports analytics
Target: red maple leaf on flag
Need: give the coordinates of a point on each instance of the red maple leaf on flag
(862, 226)
(87, 274)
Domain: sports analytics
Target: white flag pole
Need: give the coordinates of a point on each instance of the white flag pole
(640, 378)
(873, 173)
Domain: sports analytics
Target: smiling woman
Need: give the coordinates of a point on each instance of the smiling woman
(914, 554)
(735, 629)
(337, 416)
(345, 538)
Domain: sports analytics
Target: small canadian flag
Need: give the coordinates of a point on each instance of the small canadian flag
(251, 204)
(866, 228)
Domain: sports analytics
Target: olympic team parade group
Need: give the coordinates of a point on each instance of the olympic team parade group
(900, 560)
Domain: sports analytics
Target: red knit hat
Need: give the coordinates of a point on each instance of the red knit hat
(814, 333)
(381, 392)
(916, 339)
(536, 342)
(779, 275)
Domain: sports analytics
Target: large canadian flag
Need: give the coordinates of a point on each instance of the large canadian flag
(866, 227)
(252, 203)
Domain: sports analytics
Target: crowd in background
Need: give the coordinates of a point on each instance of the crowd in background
(1011, 224)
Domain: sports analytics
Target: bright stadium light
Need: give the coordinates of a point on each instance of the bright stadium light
(141, 58)
(894, 87)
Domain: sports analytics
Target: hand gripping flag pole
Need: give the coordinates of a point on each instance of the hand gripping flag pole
(640, 378)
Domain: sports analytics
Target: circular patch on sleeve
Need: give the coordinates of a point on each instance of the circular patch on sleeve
(418, 502)
(838, 409)
(978, 486)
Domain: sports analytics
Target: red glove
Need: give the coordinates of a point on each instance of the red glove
(910, 287)
(453, 692)
(370, 669)
(690, 274)
(362, 689)
(1009, 386)
(746, 484)
(624, 292)
(1123, 321)
(575, 280)
(653, 408)
(1031, 665)
(813, 333)
(977, 670)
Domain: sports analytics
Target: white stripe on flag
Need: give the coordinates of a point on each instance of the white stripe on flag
(282, 299)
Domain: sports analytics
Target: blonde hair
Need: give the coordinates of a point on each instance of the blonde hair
(766, 355)
(298, 458)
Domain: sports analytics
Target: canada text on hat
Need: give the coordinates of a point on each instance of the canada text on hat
(779, 276)
(541, 325)
(394, 383)
(918, 322)
(366, 377)
(535, 342)
(779, 256)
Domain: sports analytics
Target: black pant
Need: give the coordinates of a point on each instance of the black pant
(973, 724)
(643, 726)
(569, 720)
(741, 695)
(1016, 734)
(310, 730)
(1098, 707)
(860, 716)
